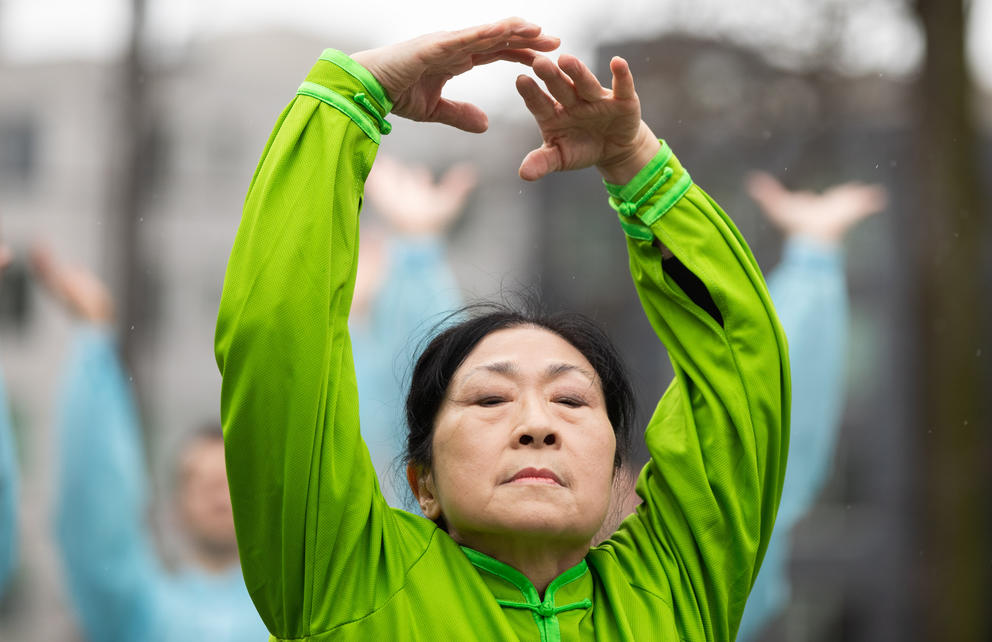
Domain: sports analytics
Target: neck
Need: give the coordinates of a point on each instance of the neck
(541, 560)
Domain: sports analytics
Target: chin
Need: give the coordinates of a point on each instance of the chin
(537, 518)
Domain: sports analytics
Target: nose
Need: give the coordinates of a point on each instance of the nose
(535, 426)
(526, 439)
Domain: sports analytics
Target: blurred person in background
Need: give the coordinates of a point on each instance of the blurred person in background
(404, 286)
(810, 296)
(119, 586)
(8, 471)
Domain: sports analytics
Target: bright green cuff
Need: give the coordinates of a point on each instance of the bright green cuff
(650, 194)
(637, 184)
(362, 75)
(342, 83)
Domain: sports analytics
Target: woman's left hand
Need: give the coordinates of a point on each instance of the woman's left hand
(583, 123)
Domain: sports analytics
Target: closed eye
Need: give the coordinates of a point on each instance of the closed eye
(489, 402)
(570, 402)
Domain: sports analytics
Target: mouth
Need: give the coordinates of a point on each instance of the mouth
(535, 476)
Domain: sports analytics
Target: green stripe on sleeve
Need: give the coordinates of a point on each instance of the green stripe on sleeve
(667, 200)
(342, 104)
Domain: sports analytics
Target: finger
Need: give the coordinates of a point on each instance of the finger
(538, 103)
(877, 196)
(764, 188)
(493, 45)
(623, 80)
(523, 56)
(459, 180)
(512, 33)
(454, 189)
(462, 115)
(557, 82)
(864, 198)
(539, 163)
(586, 84)
(539, 43)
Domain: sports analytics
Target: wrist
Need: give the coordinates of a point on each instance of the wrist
(621, 168)
(370, 60)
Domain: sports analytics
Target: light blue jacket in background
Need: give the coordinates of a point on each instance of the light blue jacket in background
(8, 493)
(115, 579)
(809, 293)
(417, 293)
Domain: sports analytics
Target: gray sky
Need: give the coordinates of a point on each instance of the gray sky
(882, 40)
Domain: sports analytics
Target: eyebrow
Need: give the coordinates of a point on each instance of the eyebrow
(509, 369)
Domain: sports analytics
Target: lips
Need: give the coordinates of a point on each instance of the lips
(538, 475)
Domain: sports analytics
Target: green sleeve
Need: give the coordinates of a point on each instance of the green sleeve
(719, 437)
(310, 519)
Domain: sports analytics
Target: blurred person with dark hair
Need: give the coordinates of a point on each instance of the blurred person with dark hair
(404, 285)
(120, 587)
(810, 296)
(8, 471)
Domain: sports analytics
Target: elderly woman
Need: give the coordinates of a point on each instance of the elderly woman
(516, 422)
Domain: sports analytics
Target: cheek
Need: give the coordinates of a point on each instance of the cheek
(465, 454)
(598, 454)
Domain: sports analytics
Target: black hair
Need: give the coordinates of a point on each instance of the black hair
(446, 351)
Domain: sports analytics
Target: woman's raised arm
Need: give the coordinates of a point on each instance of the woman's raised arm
(305, 497)
(719, 438)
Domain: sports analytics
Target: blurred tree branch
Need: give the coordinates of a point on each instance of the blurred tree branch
(952, 381)
(134, 128)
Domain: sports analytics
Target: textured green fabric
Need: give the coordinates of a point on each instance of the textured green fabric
(325, 558)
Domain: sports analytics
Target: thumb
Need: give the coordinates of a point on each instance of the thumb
(540, 162)
(464, 116)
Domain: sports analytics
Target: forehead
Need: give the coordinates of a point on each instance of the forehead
(526, 348)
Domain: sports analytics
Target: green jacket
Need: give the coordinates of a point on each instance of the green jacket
(324, 556)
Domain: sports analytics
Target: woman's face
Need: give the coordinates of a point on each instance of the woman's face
(522, 442)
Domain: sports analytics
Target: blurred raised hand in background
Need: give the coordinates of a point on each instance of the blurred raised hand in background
(810, 295)
(404, 287)
(120, 588)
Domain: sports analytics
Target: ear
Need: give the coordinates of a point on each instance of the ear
(421, 482)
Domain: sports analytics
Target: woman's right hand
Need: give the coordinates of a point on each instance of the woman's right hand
(414, 72)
